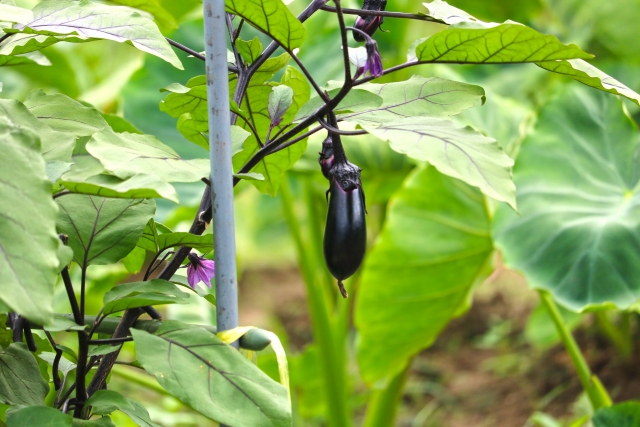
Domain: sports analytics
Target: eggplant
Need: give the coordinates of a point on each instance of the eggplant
(345, 234)
(326, 158)
(369, 24)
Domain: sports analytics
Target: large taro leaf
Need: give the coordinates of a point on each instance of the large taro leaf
(271, 17)
(274, 166)
(101, 230)
(484, 43)
(457, 151)
(128, 154)
(65, 115)
(435, 241)
(213, 378)
(591, 76)
(29, 243)
(54, 145)
(579, 230)
(418, 96)
(85, 20)
(20, 379)
(140, 294)
(625, 414)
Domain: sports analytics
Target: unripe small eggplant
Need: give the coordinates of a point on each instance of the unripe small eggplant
(345, 235)
(326, 158)
(369, 24)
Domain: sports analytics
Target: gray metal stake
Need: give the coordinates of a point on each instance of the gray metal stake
(224, 242)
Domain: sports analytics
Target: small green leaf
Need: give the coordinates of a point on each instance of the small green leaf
(101, 350)
(250, 176)
(91, 21)
(128, 154)
(280, 99)
(102, 231)
(29, 243)
(591, 76)
(140, 294)
(107, 401)
(357, 100)
(422, 286)
(510, 42)
(249, 50)
(271, 17)
(41, 416)
(20, 379)
(625, 414)
(213, 378)
(460, 152)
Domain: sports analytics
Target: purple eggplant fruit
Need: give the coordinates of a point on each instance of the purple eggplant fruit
(345, 234)
(326, 157)
(369, 24)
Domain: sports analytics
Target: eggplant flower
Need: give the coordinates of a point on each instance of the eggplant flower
(200, 270)
(374, 62)
(369, 24)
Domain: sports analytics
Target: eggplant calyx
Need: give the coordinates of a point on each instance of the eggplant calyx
(347, 176)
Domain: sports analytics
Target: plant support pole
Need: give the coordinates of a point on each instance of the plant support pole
(221, 168)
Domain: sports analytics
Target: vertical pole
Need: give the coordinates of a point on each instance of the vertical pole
(221, 168)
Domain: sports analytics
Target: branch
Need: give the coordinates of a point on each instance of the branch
(337, 131)
(362, 12)
(232, 69)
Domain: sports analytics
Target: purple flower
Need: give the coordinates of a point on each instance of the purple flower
(200, 270)
(374, 62)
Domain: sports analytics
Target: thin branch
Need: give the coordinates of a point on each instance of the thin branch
(345, 46)
(361, 12)
(62, 193)
(282, 129)
(236, 34)
(306, 72)
(153, 261)
(111, 341)
(251, 126)
(231, 68)
(295, 140)
(236, 54)
(337, 131)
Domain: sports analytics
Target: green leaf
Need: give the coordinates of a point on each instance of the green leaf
(136, 187)
(213, 378)
(55, 169)
(271, 17)
(274, 166)
(421, 285)
(87, 21)
(250, 176)
(460, 152)
(119, 124)
(29, 243)
(578, 228)
(591, 76)
(12, 13)
(65, 115)
(63, 323)
(101, 350)
(280, 99)
(448, 14)
(55, 145)
(494, 44)
(163, 18)
(102, 231)
(135, 260)
(41, 416)
(249, 50)
(128, 154)
(418, 96)
(27, 58)
(140, 294)
(357, 100)
(20, 379)
(155, 239)
(107, 401)
(625, 414)
(99, 422)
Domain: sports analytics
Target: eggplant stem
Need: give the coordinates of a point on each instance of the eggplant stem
(343, 291)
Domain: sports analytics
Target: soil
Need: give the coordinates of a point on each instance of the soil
(481, 371)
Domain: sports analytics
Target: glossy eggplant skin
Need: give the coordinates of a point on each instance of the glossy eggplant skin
(326, 159)
(345, 235)
(369, 24)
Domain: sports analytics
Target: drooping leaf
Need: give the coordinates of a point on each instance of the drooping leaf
(577, 177)
(27, 58)
(140, 294)
(510, 42)
(274, 166)
(42, 416)
(29, 243)
(86, 20)
(418, 96)
(63, 114)
(625, 414)
(54, 145)
(107, 401)
(101, 230)
(128, 154)
(356, 101)
(456, 151)
(421, 285)
(591, 76)
(194, 365)
(20, 379)
(280, 99)
(138, 186)
(271, 17)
